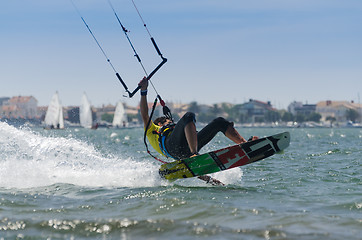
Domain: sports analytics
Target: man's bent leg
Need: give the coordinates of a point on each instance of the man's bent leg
(233, 135)
(191, 137)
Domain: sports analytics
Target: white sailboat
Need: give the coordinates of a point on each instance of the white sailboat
(85, 112)
(54, 116)
(120, 116)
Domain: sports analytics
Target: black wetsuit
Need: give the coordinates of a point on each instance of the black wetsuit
(176, 142)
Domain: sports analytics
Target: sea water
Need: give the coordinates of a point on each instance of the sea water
(101, 184)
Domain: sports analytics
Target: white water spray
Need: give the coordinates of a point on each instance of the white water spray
(28, 159)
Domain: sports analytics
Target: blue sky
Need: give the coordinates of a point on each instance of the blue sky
(218, 51)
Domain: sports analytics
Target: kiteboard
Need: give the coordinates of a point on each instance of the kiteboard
(226, 158)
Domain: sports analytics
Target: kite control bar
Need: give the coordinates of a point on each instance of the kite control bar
(131, 94)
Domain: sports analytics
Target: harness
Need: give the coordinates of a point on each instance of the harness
(163, 133)
(167, 113)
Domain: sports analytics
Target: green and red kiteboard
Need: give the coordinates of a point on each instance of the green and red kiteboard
(226, 158)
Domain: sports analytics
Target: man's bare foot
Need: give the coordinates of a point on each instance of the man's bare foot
(252, 138)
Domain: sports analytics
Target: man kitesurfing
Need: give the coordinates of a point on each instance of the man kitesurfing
(181, 140)
(178, 141)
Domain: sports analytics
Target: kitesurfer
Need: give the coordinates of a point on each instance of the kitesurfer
(181, 140)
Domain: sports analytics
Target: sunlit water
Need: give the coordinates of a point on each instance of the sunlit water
(101, 184)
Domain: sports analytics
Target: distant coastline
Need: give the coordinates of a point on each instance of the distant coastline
(253, 113)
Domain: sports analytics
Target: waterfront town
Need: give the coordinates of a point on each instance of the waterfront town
(325, 113)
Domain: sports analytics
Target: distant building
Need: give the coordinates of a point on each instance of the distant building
(129, 111)
(3, 99)
(105, 109)
(297, 108)
(8, 111)
(20, 107)
(4, 110)
(336, 109)
(254, 111)
(41, 111)
(73, 114)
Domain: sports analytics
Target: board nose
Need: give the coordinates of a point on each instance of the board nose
(284, 140)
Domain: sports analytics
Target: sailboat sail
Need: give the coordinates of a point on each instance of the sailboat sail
(120, 117)
(61, 117)
(54, 115)
(85, 112)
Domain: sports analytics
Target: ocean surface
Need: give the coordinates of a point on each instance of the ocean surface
(101, 184)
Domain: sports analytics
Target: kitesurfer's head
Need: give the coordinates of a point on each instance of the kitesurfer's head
(162, 121)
